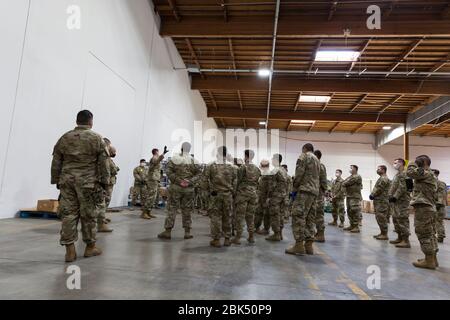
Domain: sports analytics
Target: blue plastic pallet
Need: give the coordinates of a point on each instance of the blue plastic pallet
(37, 214)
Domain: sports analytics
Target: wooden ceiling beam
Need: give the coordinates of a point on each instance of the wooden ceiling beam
(194, 55)
(360, 127)
(233, 59)
(225, 11)
(251, 83)
(334, 127)
(262, 26)
(313, 54)
(333, 9)
(213, 100)
(240, 100)
(391, 103)
(298, 101)
(405, 54)
(328, 102)
(361, 100)
(361, 51)
(173, 7)
(258, 114)
(387, 12)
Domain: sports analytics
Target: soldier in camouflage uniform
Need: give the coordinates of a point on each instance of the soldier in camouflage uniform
(262, 214)
(247, 197)
(277, 191)
(380, 199)
(353, 187)
(152, 180)
(337, 200)
(320, 211)
(423, 201)
(306, 184)
(286, 206)
(204, 194)
(441, 203)
(221, 180)
(399, 199)
(106, 198)
(80, 171)
(183, 172)
(140, 186)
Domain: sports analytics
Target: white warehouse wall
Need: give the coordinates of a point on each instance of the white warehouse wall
(116, 65)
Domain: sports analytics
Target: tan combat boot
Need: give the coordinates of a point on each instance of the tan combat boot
(297, 248)
(91, 250)
(341, 225)
(355, 229)
(404, 243)
(144, 215)
(71, 254)
(428, 263)
(274, 237)
(333, 223)
(320, 236)
(281, 234)
(227, 242)
(309, 247)
(435, 260)
(215, 243)
(151, 215)
(251, 238)
(166, 234)
(187, 233)
(237, 239)
(103, 228)
(396, 241)
(350, 227)
(382, 236)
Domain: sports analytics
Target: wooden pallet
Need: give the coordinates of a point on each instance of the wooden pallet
(33, 213)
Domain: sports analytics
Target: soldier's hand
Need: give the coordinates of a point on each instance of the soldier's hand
(165, 150)
(371, 197)
(58, 186)
(392, 199)
(184, 183)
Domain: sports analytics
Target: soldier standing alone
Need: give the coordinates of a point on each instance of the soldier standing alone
(80, 171)
(306, 183)
(183, 173)
(380, 199)
(139, 188)
(353, 187)
(221, 180)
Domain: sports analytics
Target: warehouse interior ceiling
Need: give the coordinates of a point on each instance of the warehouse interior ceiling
(394, 71)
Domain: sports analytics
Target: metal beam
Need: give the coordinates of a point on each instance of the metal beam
(260, 114)
(391, 86)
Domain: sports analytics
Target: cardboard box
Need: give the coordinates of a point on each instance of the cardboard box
(163, 192)
(372, 207)
(48, 205)
(365, 206)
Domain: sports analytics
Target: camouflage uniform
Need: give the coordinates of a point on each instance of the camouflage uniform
(79, 166)
(277, 191)
(337, 201)
(381, 202)
(400, 207)
(106, 195)
(423, 201)
(153, 179)
(221, 180)
(306, 183)
(140, 188)
(353, 187)
(287, 201)
(181, 167)
(247, 197)
(441, 203)
(323, 188)
(262, 214)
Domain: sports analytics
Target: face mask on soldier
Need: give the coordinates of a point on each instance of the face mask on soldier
(143, 164)
(397, 166)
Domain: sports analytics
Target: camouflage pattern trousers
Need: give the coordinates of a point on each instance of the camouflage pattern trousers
(152, 194)
(354, 211)
(108, 195)
(78, 203)
(276, 208)
(220, 210)
(246, 206)
(304, 216)
(400, 218)
(262, 216)
(424, 224)
(338, 209)
(180, 200)
(103, 204)
(287, 208)
(440, 226)
(139, 192)
(320, 214)
(382, 214)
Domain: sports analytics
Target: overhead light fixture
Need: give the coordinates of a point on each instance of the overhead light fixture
(300, 122)
(337, 56)
(262, 123)
(263, 72)
(314, 99)
(387, 128)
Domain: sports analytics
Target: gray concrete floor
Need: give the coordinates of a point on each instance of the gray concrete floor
(137, 265)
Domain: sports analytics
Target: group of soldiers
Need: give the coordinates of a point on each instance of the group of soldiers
(244, 195)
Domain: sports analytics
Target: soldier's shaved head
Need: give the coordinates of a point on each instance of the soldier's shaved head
(423, 161)
(85, 117)
(318, 154)
(308, 147)
(249, 154)
(185, 147)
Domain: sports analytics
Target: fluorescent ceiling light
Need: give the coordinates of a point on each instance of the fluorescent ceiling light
(387, 127)
(264, 72)
(336, 56)
(315, 99)
(307, 122)
(262, 123)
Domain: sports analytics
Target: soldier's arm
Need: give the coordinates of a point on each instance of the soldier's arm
(377, 189)
(56, 164)
(136, 175)
(413, 171)
(235, 180)
(299, 172)
(350, 181)
(240, 174)
(323, 180)
(196, 171)
(171, 173)
(400, 188)
(103, 163)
